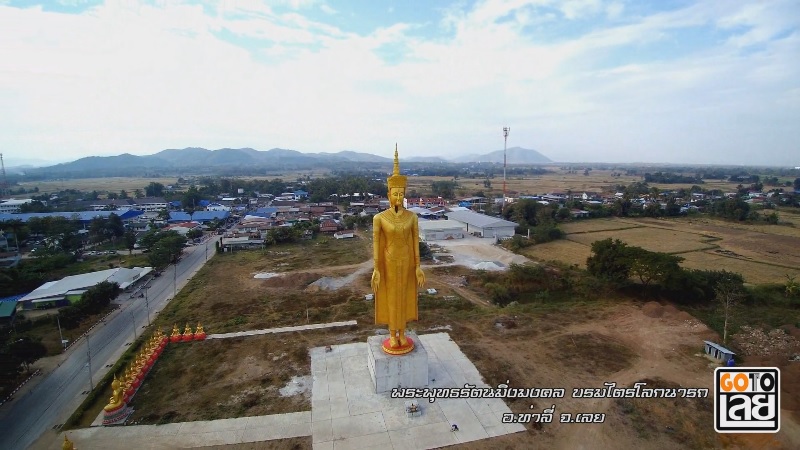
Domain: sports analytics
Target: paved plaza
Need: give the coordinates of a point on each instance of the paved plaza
(345, 412)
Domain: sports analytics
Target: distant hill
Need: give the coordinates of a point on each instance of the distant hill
(514, 155)
(238, 160)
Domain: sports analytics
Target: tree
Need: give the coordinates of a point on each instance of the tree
(728, 294)
(130, 240)
(444, 189)
(792, 287)
(653, 266)
(192, 198)
(194, 233)
(137, 193)
(610, 260)
(154, 189)
(27, 351)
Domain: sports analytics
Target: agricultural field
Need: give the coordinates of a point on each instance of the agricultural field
(598, 180)
(110, 184)
(762, 253)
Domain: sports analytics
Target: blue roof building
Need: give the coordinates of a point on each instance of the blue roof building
(84, 217)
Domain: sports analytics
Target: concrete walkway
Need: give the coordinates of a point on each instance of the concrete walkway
(313, 326)
(191, 434)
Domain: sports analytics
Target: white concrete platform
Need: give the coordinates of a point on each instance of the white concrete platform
(389, 371)
(347, 414)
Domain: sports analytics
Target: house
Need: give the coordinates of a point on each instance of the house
(439, 230)
(717, 351)
(328, 226)
(579, 214)
(483, 225)
(425, 202)
(70, 289)
(183, 227)
(217, 207)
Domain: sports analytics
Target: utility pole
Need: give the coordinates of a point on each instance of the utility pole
(175, 281)
(89, 356)
(506, 130)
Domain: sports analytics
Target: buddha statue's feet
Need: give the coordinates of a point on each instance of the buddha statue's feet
(393, 342)
(403, 341)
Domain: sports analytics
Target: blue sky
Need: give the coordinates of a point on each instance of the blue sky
(579, 80)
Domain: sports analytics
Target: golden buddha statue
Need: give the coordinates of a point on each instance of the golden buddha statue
(67, 445)
(187, 331)
(199, 329)
(396, 270)
(116, 395)
(175, 330)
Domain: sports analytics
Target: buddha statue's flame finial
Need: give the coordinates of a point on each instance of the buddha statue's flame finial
(396, 170)
(397, 180)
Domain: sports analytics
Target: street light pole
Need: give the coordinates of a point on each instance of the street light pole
(147, 303)
(506, 130)
(58, 320)
(89, 356)
(175, 281)
(133, 320)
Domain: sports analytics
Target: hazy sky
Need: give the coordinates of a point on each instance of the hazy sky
(579, 80)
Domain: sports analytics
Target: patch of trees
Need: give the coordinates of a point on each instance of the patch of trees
(106, 229)
(93, 301)
(670, 178)
(538, 219)
(616, 263)
(165, 247)
(321, 189)
(444, 189)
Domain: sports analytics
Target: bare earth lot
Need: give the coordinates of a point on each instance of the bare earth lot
(566, 344)
(762, 254)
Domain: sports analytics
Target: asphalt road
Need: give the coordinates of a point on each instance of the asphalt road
(54, 398)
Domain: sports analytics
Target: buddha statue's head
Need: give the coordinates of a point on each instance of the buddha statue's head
(397, 184)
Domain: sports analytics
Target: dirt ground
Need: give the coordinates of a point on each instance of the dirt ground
(559, 345)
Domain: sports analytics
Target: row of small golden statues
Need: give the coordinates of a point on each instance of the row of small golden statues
(125, 387)
(188, 335)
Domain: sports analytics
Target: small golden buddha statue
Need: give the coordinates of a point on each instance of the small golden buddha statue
(67, 445)
(175, 330)
(188, 330)
(199, 329)
(116, 395)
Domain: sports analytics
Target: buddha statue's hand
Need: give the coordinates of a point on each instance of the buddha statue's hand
(420, 277)
(376, 280)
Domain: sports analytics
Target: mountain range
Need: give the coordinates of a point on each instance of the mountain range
(276, 158)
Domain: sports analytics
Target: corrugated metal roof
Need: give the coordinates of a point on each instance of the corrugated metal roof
(719, 347)
(435, 225)
(120, 275)
(479, 220)
(7, 308)
(83, 216)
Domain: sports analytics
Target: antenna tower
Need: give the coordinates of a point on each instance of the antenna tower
(506, 130)
(4, 181)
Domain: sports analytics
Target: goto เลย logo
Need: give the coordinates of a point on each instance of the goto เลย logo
(747, 399)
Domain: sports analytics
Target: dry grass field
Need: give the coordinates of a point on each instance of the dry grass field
(111, 184)
(761, 253)
(564, 250)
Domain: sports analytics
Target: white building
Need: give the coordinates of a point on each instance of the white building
(439, 230)
(483, 225)
(70, 288)
(12, 205)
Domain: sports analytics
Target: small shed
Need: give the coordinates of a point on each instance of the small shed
(8, 310)
(717, 351)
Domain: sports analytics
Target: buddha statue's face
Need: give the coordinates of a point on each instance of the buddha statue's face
(396, 196)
